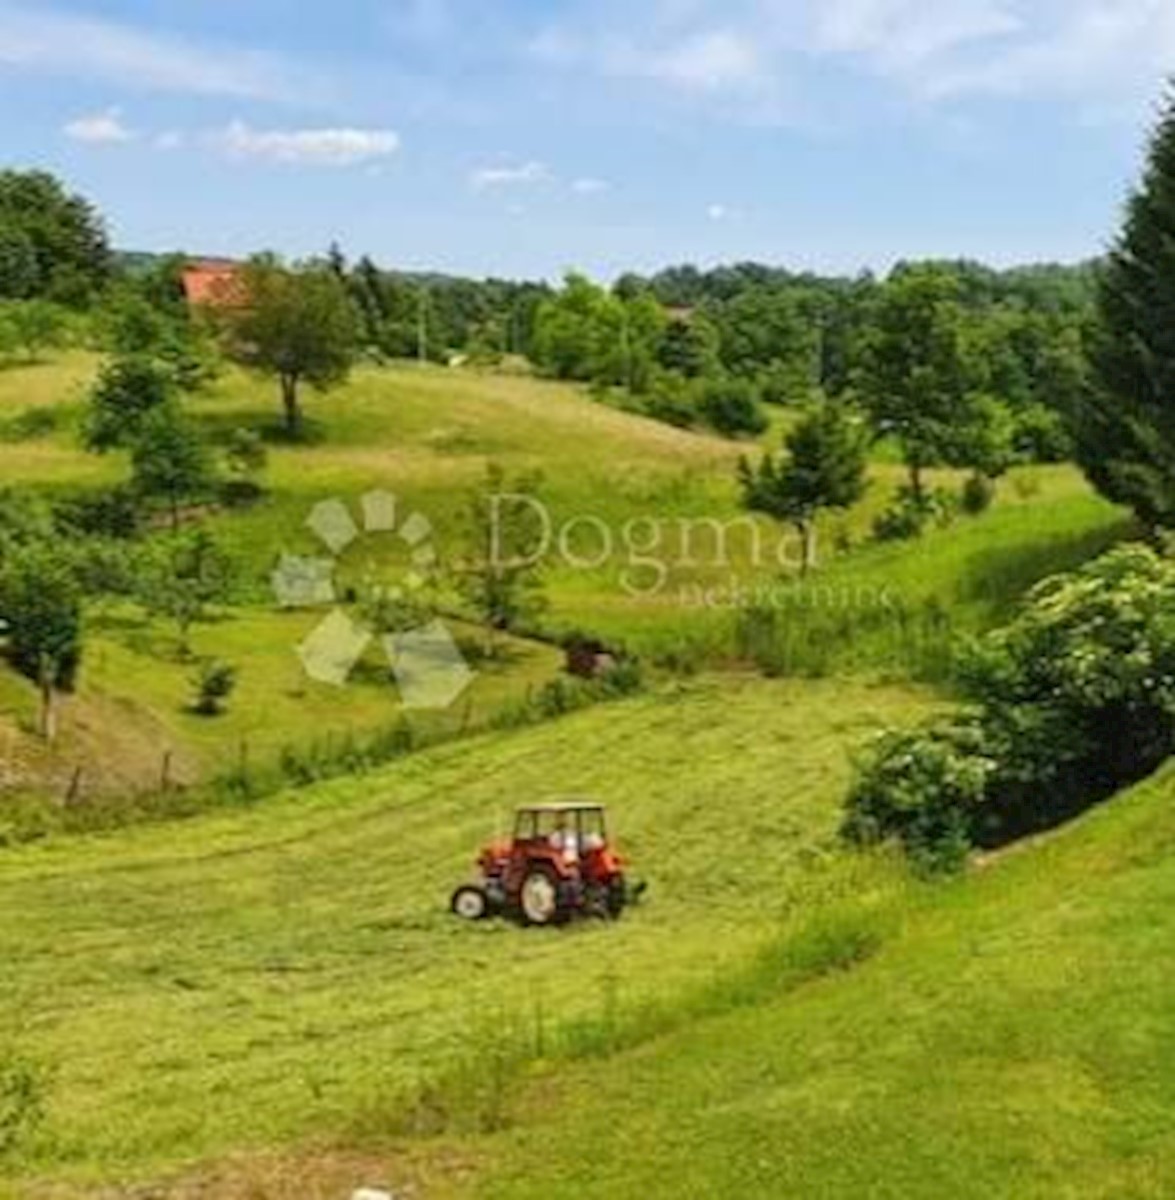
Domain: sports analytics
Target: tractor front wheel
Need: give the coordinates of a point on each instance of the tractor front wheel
(540, 900)
(470, 903)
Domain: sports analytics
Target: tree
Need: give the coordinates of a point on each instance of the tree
(1125, 427)
(245, 459)
(499, 574)
(824, 467)
(37, 326)
(214, 682)
(297, 325)
(180, 575)
(41, 605)
(127, 390)
(170, 460)
(920, 376)
(70, 256)
(731, 406)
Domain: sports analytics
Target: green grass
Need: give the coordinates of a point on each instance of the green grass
(243, 980)
(1011, 1035)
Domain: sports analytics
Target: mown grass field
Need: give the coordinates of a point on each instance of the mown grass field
(1009, 1036)
(237, 981)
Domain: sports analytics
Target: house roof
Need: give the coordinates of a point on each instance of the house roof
(212, 282)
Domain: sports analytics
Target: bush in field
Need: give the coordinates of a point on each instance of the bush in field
(978, 495)
(731, 406)
(924, 789)
(214, 682)
(1073, 700)
(912, 512)
(671, 398)
(1077, 695)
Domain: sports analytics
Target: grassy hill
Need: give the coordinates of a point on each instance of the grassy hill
(425, 435)
(246, 979)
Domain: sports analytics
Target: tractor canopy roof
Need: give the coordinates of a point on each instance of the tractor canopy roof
(568, 807)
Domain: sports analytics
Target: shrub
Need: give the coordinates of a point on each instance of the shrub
(912, 512)
(1041, 436)
(924, 789)
(1073, 700)
(126, 391)
(978, 495)
(671, 399)
(214, 682)
(1077, 695)
(731, 407)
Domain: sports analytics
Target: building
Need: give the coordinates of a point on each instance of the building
(213, 283)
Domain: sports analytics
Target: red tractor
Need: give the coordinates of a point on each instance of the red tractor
(558, 864)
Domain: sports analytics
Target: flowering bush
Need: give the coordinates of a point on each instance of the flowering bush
(1073, 700)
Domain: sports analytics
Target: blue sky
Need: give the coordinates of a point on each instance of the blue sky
(522, 137)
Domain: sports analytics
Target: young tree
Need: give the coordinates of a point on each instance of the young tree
(245, 458)
(127, 390)
(180, 575)
(170, 460)
(920, 378)
(824, 467)
(1125, 426)
(297, 325)
(499, 574)
(41, 605)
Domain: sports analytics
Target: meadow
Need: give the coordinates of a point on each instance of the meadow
(273, 995)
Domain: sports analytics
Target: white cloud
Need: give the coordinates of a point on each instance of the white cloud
(308, 147)
(774, 59)
(717, 212)
(589, 186)
(61, 43)
(484, 178)
(707, 61)
(98, 128)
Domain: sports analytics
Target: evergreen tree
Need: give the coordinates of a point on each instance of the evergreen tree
(1125, 426)
(824, 467)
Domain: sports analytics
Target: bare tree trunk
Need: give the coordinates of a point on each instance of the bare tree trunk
(48, 722)
(290, 404)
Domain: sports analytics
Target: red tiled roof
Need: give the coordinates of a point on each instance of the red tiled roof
(213, 283)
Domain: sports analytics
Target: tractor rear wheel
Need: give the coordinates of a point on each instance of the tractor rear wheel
(616, 897)
(539, 898)
(470, 903)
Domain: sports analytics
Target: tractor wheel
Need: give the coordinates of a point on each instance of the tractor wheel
(470, 903)
(539, 898)
(616, 898)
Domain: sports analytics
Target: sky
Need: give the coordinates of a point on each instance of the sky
(527, 137)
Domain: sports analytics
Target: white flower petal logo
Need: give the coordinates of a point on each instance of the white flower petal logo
(428, 665)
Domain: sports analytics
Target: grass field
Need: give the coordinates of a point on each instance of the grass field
(242, 980)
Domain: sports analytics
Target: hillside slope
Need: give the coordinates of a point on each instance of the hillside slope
(253, 978)
(1012, 1035)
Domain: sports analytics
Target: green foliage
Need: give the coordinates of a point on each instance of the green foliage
(170, 459)
(245, 459)
(180, 575)
(41, 607)
(1041, 435)
(731, 406)
(922, 377)
(823, 468)
(913, 512)
(1124, 429)
(126, 391)
(767, 331)
(214, 682)
(498, 574)
(672, 399)
(689, 346)
(978, 495)
(138, 322)
(34, 326)
(296, 324)
(924, 789)
(1070, 702)
(52, 244)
